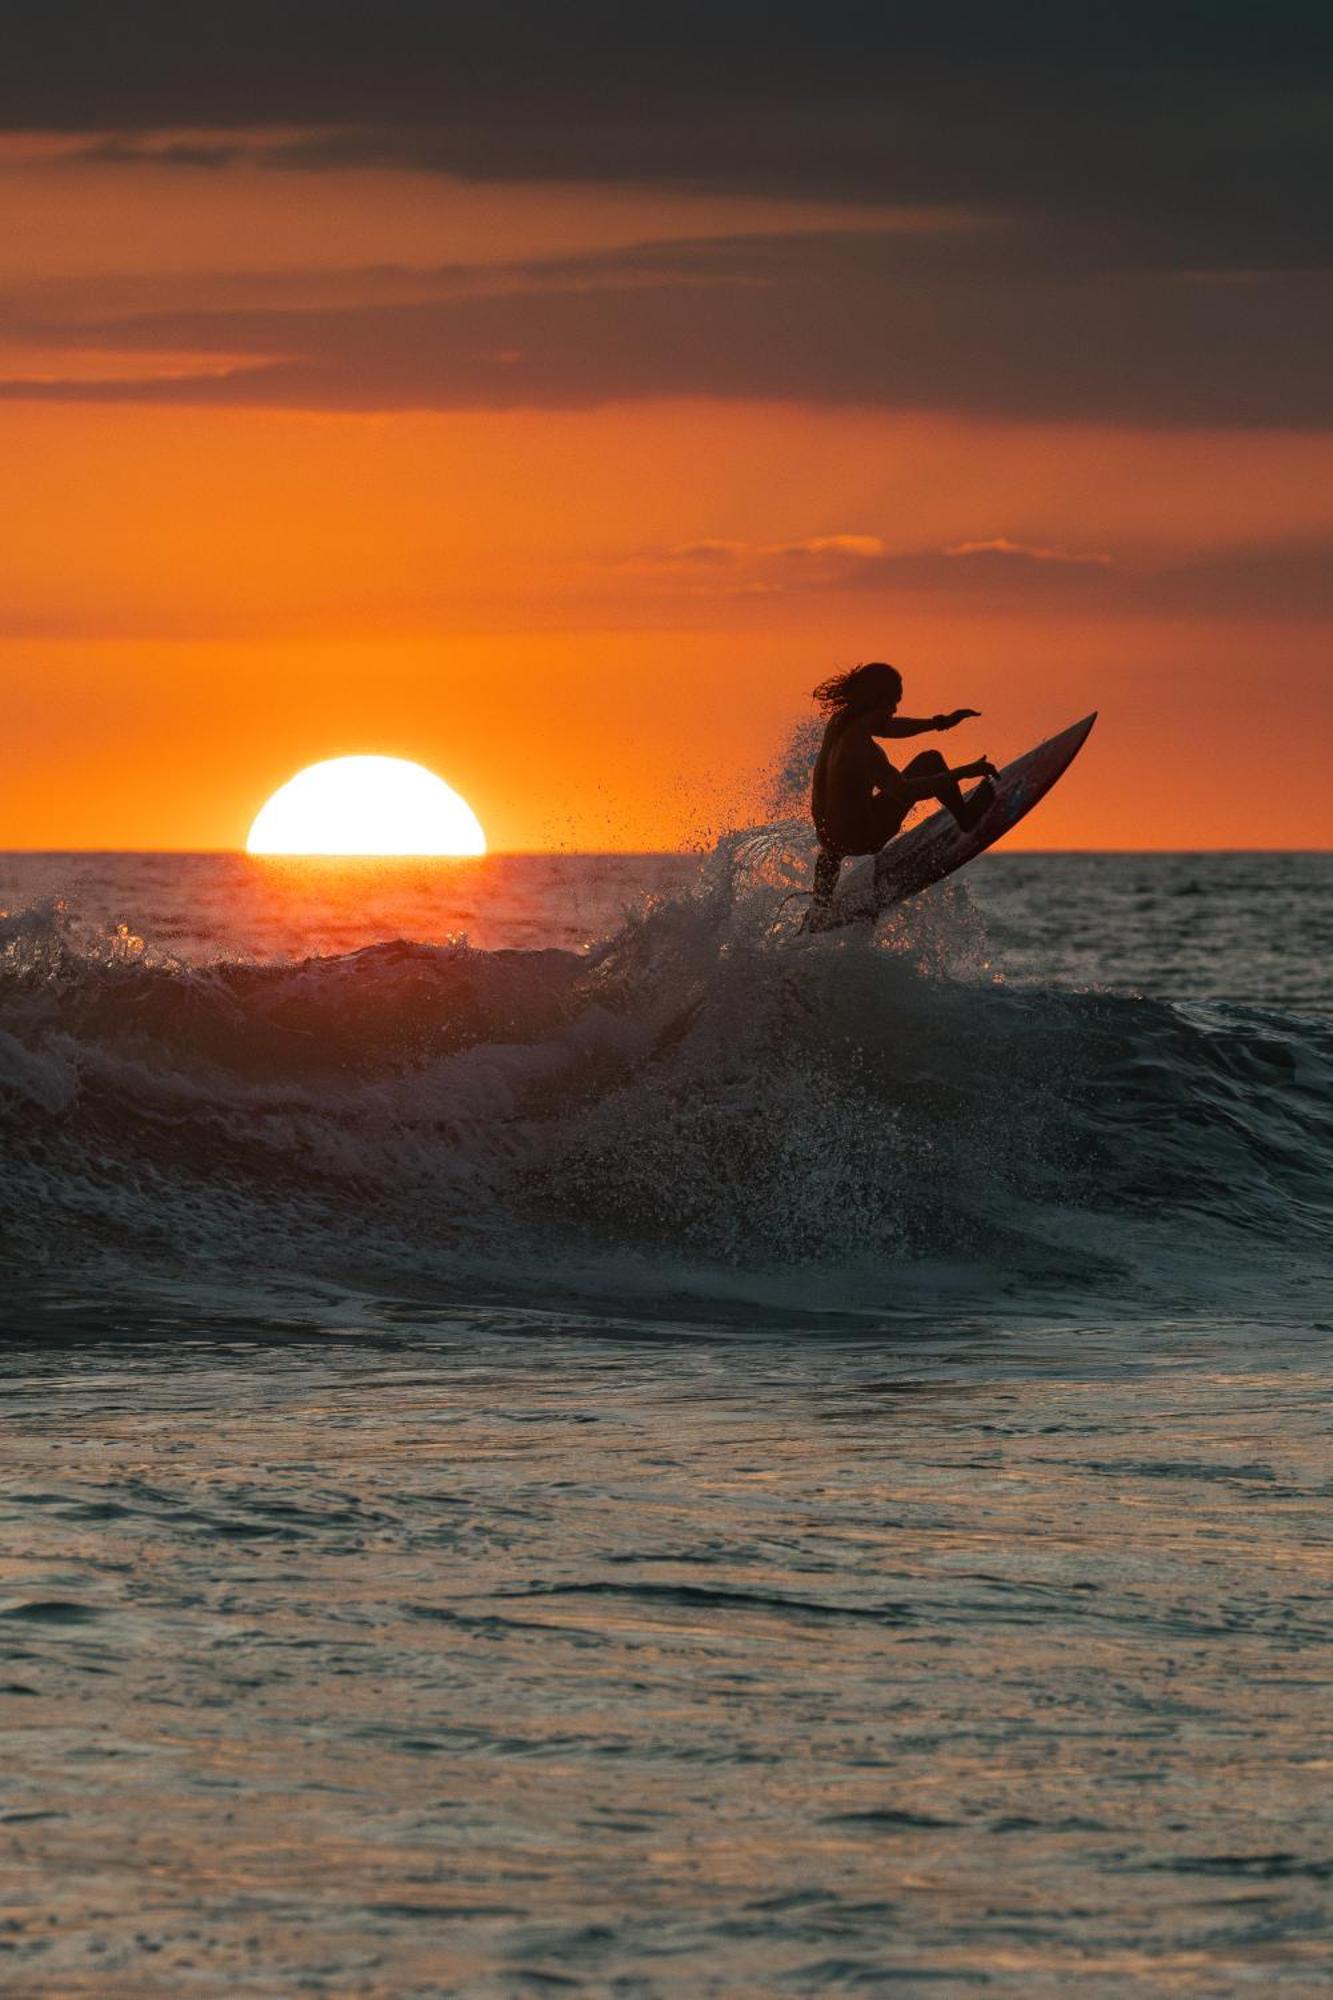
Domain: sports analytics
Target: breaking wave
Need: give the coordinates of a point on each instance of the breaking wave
(707, 1105)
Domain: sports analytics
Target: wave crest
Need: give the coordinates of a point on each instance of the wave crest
(705, 1092)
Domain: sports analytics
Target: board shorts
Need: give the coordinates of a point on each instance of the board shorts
(882, 819)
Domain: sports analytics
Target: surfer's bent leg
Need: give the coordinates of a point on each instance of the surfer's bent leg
(933, 779)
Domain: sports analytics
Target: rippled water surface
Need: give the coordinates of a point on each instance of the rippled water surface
(695, 1463)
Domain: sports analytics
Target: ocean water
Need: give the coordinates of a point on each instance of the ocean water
(560, 1437)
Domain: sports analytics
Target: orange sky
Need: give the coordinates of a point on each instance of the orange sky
(598, 620)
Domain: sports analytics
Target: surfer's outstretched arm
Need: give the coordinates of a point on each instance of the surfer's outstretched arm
(916, 725)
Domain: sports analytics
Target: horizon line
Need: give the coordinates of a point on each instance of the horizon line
(575, 853)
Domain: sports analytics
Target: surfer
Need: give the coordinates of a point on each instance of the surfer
(859, 799)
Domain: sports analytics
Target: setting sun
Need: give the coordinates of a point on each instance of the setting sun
(366, 805)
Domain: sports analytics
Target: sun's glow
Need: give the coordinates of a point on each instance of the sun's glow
(366, 805)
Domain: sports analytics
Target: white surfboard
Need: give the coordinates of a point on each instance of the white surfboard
(937, 846)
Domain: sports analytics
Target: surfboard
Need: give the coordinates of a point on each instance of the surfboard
(938, 846)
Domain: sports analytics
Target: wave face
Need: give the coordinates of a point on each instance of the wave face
(704, 1107)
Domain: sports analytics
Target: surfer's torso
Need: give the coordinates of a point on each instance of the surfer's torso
(854, 798)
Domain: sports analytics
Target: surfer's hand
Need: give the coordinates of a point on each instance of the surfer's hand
(984, 768)
(958, 715)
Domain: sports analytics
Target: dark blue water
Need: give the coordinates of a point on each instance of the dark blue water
(639, 1455)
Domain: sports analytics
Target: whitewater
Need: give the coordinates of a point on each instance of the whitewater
(560, 1433)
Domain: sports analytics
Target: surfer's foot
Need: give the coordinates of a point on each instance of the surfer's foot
(976, 805)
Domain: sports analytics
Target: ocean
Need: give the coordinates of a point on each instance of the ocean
(560, 1436)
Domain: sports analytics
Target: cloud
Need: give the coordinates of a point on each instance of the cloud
(1288, 581)
(1201, 132)
(869, 318)
(851, 548)
(1131, 221)
(1025, 552)
(1283, 581)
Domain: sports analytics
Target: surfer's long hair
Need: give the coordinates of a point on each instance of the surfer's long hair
(860, 687)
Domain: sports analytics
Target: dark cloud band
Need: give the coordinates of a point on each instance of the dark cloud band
(860, 318)
(1204, 126)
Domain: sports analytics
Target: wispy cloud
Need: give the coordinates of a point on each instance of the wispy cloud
(1000, 545)
(873, 318)
(1284, 580)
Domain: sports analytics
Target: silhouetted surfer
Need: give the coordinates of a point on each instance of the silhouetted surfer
(859, 800)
